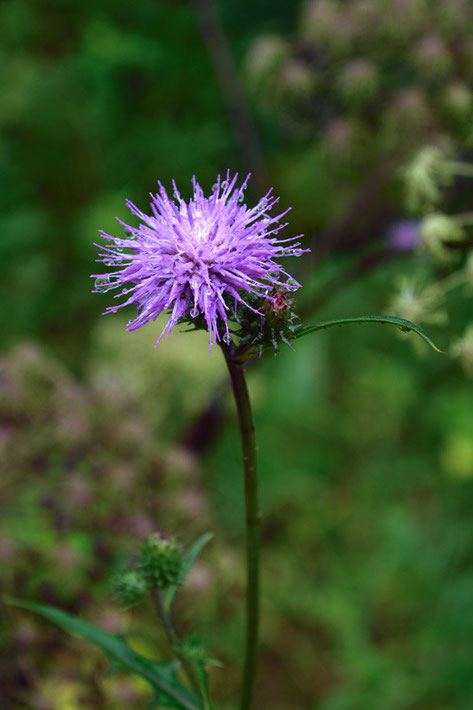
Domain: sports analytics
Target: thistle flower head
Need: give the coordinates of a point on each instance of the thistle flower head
(161, 561)
(129, 588)
(198, 259)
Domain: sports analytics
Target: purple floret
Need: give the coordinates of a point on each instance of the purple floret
(197, 258)
(404, 235)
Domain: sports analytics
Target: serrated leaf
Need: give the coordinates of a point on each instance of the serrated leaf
(405, 325)
(188, 560)
(161, 676)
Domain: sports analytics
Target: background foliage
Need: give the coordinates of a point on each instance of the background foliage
(365, 443)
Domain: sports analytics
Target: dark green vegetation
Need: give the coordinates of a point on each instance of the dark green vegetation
(365, 442)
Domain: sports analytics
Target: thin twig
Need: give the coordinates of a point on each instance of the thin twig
(232, 92)
(173, 639)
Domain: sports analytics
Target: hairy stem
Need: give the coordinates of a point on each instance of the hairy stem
(253, 516)
(173, 639)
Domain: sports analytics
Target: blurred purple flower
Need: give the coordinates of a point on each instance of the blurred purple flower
(404, 235)
(197, 258)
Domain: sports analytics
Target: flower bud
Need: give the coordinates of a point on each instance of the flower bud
(453, 16)
(424, 176)
(296, 80)
(358, 81)
(264, 57)
(431, 56)
(435, 230)
(463, 350)
(341, 141)
(396, 20)
(318, 19)
(417, 303)
(458, 101)
(408, 115)
(325, 23)
(403, 235)
(129, 588)
(161, 561)
(192, 650)
(276, 324)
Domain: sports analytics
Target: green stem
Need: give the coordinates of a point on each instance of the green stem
(253, 518)
(173, 639)
(464, 169)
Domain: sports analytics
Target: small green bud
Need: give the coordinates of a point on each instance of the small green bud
(424, 176)
(319, 20)
(418, 303)
(276, 324)
(431, 56)
(129, 588)
(192, 650)
(358, 81)
(458, 101)
(463, 350)
(296, 80)
(407, 115)
(266, 54)
(341, 141)
(161, 561)
(435, 230)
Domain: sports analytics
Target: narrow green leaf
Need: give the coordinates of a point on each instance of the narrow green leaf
(160, 676)
(405, 325)
(189, 558)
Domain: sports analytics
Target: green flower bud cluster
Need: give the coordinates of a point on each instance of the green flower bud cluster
(160, 566)
(358, 81)
(437, 229)
(265, 55)
(419, 303)
(129, 588)
(463, 350)
(457, 101)
(426, 174)
(161, 561)
(342, 63)
(192, 650)
(277, 323)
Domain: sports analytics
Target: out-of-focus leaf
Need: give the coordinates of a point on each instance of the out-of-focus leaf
(170, 693)
(189, 559)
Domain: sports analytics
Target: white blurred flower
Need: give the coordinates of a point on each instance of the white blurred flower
(463, 350)
(418, 304)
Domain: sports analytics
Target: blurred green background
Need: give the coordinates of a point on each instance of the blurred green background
(365, 442)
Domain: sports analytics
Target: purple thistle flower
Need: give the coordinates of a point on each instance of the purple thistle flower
(197, 258)
(404, 235)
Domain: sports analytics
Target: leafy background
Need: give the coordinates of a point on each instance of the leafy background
(366, 445)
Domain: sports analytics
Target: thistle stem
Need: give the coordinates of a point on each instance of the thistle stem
(252, 517)
(173, 639)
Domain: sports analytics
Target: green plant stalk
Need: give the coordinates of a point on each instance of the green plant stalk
(173, 639)
(460, 168)
(253, 523)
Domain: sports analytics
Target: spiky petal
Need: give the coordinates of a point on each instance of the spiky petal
(197, 258)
